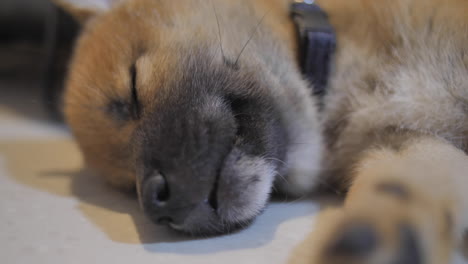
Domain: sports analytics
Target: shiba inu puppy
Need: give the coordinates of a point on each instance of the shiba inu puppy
(198, 103)
(201, 106)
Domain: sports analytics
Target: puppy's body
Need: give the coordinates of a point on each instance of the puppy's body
(395, 126)
(394, 118)
(401, 65)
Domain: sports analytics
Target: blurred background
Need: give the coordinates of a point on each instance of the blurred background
(36, 38)
(53, 209)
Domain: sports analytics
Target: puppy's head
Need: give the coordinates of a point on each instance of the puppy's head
(154, 103)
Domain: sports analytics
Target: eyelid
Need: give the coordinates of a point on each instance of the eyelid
(134, 91)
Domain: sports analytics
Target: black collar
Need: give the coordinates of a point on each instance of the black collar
(317, 42)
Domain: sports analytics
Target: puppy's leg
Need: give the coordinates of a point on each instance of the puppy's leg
(406, 205)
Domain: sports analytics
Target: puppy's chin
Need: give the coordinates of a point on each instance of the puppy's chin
(244, 186)
(242, 192)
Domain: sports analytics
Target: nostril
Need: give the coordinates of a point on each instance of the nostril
(213, 198)
(157, 188)
(162, 189)
(165, 220)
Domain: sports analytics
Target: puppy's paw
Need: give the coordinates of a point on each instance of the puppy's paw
(388, 229)
(362, 242)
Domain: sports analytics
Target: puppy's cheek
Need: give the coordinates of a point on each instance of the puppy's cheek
(244, 186)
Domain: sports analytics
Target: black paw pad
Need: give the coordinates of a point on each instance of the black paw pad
(358, 240)
(410, 252)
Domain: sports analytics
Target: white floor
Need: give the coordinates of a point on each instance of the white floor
(54, 211)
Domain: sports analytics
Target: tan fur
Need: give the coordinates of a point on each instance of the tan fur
(400, 64)
(395, 112)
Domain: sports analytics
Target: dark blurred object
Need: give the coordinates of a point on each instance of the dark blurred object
(317, 42)
(36, 39)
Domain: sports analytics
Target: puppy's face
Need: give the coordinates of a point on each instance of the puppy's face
(199, 137)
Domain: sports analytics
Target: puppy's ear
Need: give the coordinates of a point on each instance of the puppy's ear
(83, 10)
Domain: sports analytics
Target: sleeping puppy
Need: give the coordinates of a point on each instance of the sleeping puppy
(201, 106)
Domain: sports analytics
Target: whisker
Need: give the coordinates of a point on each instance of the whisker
(250, 38)
(275, 159)
(219, 31)
(274, 188)
(302, 197)
(282, 177)
(242, 114)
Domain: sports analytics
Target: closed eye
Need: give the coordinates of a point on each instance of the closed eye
(134, 92)
(123, 110)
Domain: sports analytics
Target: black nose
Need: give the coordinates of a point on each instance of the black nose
(158, 203)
